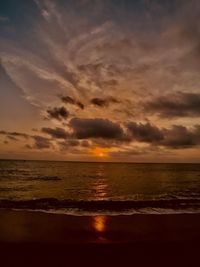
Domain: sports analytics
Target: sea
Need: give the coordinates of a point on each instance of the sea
(92, 188)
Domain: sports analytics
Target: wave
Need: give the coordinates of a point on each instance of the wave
(32, 178)
(101, 206)
(44, 178)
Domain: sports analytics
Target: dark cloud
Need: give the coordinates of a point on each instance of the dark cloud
(106, 133)
(98, 102)
(58, 133)
(68, 100)
(103, 102)
(14, 134)
(176, 137)
(145, 132)
(41, 142)
(72, 101)
(74, 146)
(96, 128)
(80, 105)
(65, 145)
(58, 113)
(175, 105)
(180, 137)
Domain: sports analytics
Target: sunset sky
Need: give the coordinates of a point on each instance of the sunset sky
(100, 80)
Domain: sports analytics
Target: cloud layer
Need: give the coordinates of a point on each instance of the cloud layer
(175, 105)
(119, 75)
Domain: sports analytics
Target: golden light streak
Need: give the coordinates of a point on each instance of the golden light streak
(99, 223)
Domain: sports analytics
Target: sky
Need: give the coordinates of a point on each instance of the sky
(100, 80)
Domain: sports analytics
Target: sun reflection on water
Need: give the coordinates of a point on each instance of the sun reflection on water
(99, 223)
(99, 188)
(99, 184)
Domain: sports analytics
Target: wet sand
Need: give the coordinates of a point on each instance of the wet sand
(42, 239)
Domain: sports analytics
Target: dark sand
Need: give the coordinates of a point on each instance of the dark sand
(41, 239)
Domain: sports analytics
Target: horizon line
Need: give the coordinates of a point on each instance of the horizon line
(84, 161)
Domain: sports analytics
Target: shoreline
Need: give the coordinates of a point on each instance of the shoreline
(42, 239)
(84, 213)
(36, 226)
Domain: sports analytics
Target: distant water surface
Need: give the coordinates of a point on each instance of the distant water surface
(110, 188)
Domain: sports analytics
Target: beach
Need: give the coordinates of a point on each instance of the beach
(99, 214)
(32, 238)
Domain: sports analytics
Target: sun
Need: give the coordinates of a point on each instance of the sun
(100, 152)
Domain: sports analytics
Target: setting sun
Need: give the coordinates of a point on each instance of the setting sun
(100, 152)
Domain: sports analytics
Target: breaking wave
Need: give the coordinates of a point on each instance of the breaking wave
(103, 206)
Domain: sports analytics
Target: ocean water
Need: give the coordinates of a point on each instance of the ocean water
(99, 188)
